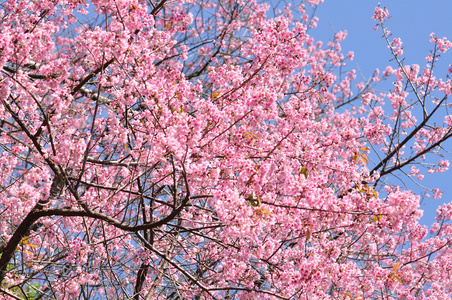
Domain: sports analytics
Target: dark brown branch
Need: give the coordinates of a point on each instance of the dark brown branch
(14, 241)
(194, 280)
(407, 139)
(158, 7)
(91, 75)
(411, 159)
(112, 221)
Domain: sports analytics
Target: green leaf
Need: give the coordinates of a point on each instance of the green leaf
(252, 200)
(304, 171)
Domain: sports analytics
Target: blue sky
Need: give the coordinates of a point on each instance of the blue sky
(412, 21)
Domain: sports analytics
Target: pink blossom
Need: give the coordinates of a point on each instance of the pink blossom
(380, 14)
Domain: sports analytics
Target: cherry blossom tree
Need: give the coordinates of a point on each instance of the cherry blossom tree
(201, 149)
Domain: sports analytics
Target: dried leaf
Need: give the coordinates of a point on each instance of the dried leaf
(364, 158)
(249, 134)
(215, 94)
(24, 240)
(265, 211)
(396, 267)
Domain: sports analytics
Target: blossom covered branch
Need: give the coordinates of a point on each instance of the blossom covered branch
(205, 150)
